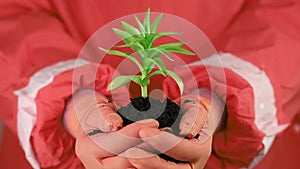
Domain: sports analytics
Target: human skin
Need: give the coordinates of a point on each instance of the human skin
(94, 156)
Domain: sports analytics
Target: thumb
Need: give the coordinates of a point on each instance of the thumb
(95, 112)
(196, 110)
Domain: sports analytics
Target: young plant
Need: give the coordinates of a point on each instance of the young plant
(141, 41)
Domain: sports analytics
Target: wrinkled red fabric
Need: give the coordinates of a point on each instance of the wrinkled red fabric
(240, 139)
(36, 34)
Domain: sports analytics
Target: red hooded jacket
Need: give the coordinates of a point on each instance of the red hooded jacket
(259, 50)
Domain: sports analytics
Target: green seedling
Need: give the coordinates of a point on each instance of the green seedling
(141, 41)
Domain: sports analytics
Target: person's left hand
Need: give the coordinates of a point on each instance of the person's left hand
(202, 116)
(101, 151)
(191, 150)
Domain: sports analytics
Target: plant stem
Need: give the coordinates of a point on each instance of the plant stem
(144, 85)
(144, 90)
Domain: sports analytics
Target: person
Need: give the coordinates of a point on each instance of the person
(42, 40)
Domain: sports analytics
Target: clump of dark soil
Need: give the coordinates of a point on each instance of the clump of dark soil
(167, 113)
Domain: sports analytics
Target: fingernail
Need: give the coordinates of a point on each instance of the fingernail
(189, 135)
(117, 126)
(186, 134)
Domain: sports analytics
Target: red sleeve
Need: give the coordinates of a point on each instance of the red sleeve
(15, 8)
(53, 146)
(262, 102)
(32, 39)
(270, 40)
(238, 142)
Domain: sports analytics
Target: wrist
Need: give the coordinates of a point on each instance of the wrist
(70, 120)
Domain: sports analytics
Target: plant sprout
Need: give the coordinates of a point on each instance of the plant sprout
(141, 41)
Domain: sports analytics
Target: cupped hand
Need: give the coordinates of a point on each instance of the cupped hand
(190, 150)
(108, 149)
(101, 151)
(201, 118)
(88, 112)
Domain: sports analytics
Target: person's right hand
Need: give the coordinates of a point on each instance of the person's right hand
(202, 116)
(101, 151)
(91, 119)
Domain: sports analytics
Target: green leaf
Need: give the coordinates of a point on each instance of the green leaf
(156, 72)
(137, 40)
(148, 64)
(142, 54)
(147, 79)
(142, 29)
(119, 53)
(161, 34)
(137, 79)
(119, 81)
(148, 70)
(144, 43)
(181, 50)
(161, 65)
(177, 80)
(157, 61)
(147, 21)
(125, 36)
(168, 56)
(130, 29)
(155, 23)
(155, 52)
(146, 82)
(170, 45)
(116, 52)
(175, 49)
(136, 46)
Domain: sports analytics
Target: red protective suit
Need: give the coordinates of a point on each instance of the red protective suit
(40, 41)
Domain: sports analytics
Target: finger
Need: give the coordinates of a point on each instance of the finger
(176, 147)
(91, 162)
(95, 112)
(152, 161)
(192, 121)
(112, 121)
(115, 162)
(195, 115)
(209, 127)
(120, 96)
(91, 154)
(146, 147)
(116, 142)
(86, 151)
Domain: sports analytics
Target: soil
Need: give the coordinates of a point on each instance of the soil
(167, 113)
